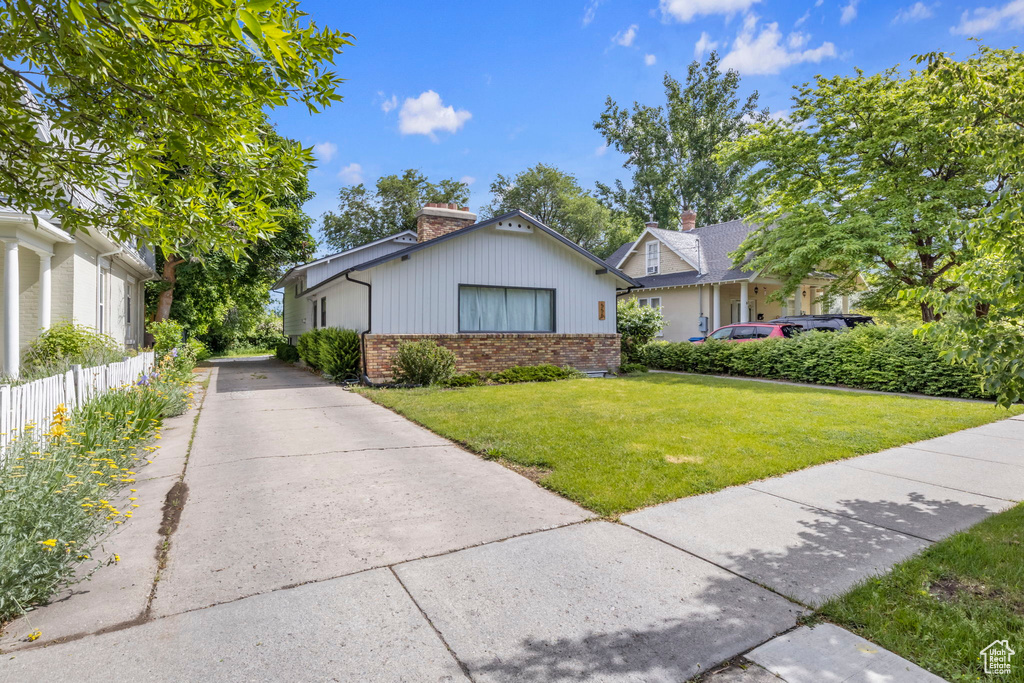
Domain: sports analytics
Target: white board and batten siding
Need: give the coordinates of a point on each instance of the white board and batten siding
(320, 271)
(421, 295)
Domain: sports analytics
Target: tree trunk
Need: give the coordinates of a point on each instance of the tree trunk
(928, 313)
(163, 307)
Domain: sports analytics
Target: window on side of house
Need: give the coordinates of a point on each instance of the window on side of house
(101, 306)
(323, 311)
(314, 314)
(128, 303)
(653, 257)
(656, 303)
(506, 309)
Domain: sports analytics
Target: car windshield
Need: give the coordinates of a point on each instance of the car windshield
(724, 333)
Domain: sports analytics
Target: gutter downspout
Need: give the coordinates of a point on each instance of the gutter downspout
(369, 322)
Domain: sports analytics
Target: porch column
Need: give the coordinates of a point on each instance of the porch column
(811, 306)
(716, 307)
(44, 291)
(846, 303)
(797, 308)
(12, 334)
(744, 312)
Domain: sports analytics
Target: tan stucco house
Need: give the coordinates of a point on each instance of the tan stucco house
(688, 274)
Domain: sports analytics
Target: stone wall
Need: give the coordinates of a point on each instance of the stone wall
(493, 352)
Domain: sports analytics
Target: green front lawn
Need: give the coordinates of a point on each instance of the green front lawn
(616, 445)
(942, 607)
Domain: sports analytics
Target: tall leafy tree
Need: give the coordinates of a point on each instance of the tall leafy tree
(365, 215)
(982, 320)
(557, 200)
(146, 118)
(671, 149)
(864, 178)
(206, 290)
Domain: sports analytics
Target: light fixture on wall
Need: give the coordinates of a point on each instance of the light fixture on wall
(755, 290)
(805, 293)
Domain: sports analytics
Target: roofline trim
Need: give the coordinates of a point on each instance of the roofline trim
(280, 283)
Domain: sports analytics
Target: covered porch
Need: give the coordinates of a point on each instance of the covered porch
(748, 301)
(27, 284)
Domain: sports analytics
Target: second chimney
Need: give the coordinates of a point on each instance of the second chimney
(688, 220)
(435, 220)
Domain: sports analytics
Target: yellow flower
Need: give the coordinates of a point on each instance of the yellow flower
(49, 542)
(133, 498)
(117, 558)
(34, 636)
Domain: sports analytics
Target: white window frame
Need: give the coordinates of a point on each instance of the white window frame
(101, 300)
(656, 261)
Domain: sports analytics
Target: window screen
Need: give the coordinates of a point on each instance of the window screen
(506, 309)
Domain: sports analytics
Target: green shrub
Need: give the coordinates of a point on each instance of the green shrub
(309, 348)
(422, 363)
(55, 350)
(469, 379)
(632, 368)
(535, 373)
(338, 353)
(868, 357)
(167, 334)
(287, 352)
(638, 325)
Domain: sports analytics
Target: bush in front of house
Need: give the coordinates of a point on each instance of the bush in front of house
(167, 334)
(638, 325)
(286, 352)
(55, 350)
(632, 369)
(338, 354)
(331, 350)
(545, 372)
(867, 357)
(422, 363)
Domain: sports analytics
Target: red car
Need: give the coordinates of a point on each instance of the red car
(744, 332)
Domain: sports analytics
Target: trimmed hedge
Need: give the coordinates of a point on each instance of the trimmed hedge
(333, 351)
(867, 357)
(287, 352)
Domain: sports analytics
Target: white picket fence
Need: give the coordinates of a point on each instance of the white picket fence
(34, 402)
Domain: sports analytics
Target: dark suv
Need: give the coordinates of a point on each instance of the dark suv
(829, 322)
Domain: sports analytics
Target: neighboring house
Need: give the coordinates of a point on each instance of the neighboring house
(689, 275)
(502, 292)
(50, 276)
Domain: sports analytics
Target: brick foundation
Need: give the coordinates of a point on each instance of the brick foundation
(495, 352)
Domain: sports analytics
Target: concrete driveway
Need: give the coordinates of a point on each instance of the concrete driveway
(322, 537)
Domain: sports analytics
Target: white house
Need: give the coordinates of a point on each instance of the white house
(502, 292)
(689, 274)
(50, 276)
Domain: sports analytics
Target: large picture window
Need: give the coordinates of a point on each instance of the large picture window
(506, 309)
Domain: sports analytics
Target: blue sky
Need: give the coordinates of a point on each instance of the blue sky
(470, 90)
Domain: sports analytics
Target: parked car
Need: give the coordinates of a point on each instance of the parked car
(744, 332)
(828, 322)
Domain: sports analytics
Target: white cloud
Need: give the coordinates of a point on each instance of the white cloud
(686, 10)
(600, 151)
(797, 39)
(1010, 15)
(819, 3)
(426, 114)
(590, 11)
(389, 103)
(800, 22)
(650, 60)
(704, 44)
(849, 12)
(626, 38)
(325, 151)
(915, 12)
(467, 179)
(352, 174)
(763, 53)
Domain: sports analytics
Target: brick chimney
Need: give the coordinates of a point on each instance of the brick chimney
(434, 220)
(688, 220)
(651, 224)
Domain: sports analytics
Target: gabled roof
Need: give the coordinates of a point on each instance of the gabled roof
(295, 269)
(683, 244)
(455, 234)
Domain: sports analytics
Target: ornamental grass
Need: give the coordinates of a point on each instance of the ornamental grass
(61, 484)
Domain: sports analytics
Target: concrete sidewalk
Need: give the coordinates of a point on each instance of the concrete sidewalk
(326, 538)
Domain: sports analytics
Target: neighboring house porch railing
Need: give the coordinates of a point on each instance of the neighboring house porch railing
(33, 403)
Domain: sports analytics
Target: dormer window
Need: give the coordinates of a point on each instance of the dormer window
(653, 257)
